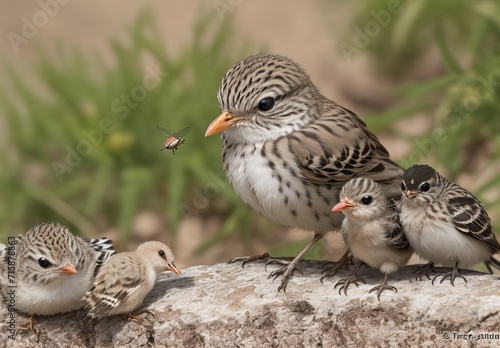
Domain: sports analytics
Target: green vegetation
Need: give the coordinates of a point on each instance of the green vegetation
(81, 145)
(84, 149)
(463, 102)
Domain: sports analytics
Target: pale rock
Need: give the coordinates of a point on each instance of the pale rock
(225, 305)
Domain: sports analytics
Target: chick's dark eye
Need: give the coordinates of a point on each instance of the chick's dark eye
(403, 186)
(266, 104)
(425, 187)
(44, 262)
(366, 200)
(161, 253)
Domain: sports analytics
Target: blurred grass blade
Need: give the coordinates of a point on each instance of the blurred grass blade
(446, 54)
(427, 87)
(133, 183)
(63, 209)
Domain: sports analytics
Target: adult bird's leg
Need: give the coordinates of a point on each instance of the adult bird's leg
(291, 264)
(453, 274)
(425, 270)
(287, 271)
(331, 271)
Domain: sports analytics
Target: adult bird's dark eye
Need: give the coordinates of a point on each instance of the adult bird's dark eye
(161, 253)
(366, 200)
(44, 262)
(403, 186)
(425, 187)
(266, 104)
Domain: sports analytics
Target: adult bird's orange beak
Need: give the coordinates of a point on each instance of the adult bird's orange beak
(342, 205)
(221, 123)
(69, 269)
(410, 193)
(171, 267)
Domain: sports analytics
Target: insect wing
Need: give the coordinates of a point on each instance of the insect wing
(183, 132)
(163, 132)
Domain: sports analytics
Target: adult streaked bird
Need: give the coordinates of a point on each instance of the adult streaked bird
(445, 223)
(287, 150)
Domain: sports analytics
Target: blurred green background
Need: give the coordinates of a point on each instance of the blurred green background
(84, 88)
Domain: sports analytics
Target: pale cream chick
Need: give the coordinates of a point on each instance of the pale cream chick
(127, 278)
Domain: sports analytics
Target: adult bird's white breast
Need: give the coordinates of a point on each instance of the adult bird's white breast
(279, 195)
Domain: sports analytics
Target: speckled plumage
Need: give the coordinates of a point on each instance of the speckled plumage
(445, 223)
(371, 229)
(124, 282)
(289, 162)
(53, 289)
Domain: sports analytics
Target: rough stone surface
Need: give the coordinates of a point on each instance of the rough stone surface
(226, 305)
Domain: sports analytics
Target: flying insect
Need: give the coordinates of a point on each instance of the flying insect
(173, 140)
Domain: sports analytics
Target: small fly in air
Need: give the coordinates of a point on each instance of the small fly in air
(173, 140)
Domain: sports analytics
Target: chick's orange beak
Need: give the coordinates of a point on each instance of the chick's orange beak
(221, 123)
(69, 269)
(410, 193)
(171, 267)
(342, 205)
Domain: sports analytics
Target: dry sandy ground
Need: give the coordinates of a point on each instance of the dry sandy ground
(310, 32)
